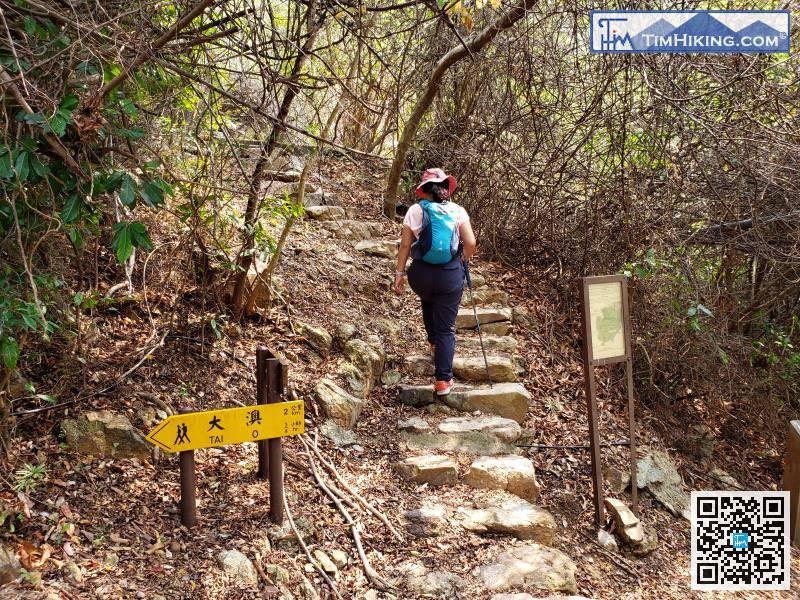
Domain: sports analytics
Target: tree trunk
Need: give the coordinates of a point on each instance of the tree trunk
(253, 198)
(473, 44)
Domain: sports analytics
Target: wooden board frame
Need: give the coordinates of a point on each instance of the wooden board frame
(589, 363)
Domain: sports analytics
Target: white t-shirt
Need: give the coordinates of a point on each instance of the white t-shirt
(414, 216)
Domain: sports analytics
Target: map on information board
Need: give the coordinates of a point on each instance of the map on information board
(606, 319)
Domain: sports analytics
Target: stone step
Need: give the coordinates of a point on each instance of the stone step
(507, 430)
(383, 248)
(528, 566)
(348, 229)
(466, 318)
(501, 328)
(503, 343)
(518, 518)
(485, 296)
(511, 473)
(468, 368)
(325, 213)
(434, 469)
(468, 442)
(510, 400)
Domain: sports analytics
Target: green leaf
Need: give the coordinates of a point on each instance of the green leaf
(127, 191)
(152, 194)
(71, 211)
(691, 311)
(21, 166)
(38, 166)
(705, 310)
(151, 165)
(128, 107)
(9, 352)
(121, 242)
(57, 124)
(30, 323)
(30, 25)
(139, 236)
(135, 133)
(69, 102)
(6, 165)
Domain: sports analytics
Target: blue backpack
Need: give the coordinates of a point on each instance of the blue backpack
(438, 239)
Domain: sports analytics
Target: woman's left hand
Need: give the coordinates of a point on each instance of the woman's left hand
(399, 284)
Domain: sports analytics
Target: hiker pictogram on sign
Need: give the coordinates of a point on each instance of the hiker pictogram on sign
(207, 429)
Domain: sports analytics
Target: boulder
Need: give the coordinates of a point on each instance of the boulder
(426, 521)
(353, 230)
(529, 565)
(340, 558)
(413, 425)
(365, 364)
(343, 333)
(325, 213)
(337, 405)
(618, 479)
(507, 430)
(522, 316)
(512, 473)
(657, 472)
(485, 296)
(500, 328)
(104, 433)
(9, 565)
(419, 365)
(325, 562)
(503, 343)
(391, 377)
(417, 580)
(466, 317)
(238, 567)
(510, 400)
(433, 469)
(519, 518)
(469, 442)
(723, 480)
(318, 337)
(382, 248)
(473, 368)
(337, 434)
(391, 329)
(321, 198)
(628, 526)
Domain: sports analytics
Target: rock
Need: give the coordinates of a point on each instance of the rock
(618, 480)
(390, 378)
(514, 474)
(649, 543)
(336, 404)
(353, 230)
(421, 582)
(723, 480)
(283, 536)
(657, 472)
(501, 329)
(366, 359)
(383, 248)
(413, 425)
(9, 565)
(321, 198)
(419, 365)
(699, 441)
(506, 429)
(318, 337)
(466, 317)
(432, 468)
(503, 343)
(485, 296)
(277, 573)
(340, 436)
(325, 562)
(340, 559)
(307, 590)
(74, 571)
(238, 567)
(473, 368)
(607, 541)
(628, 526)
(105, 433)
(470, 442)
(325, 213)
(529, 565)
(522, 316)
(478, 280)
(426, 521)
(519, 518)
(523, 596)
(509, 400)
(147, 416)
(390, 328)
(343, 333)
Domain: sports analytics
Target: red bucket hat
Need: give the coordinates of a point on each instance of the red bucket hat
(436, 175)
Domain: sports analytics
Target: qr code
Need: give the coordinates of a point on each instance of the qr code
(740, 540)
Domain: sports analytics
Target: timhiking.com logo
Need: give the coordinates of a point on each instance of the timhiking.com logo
(709, 31)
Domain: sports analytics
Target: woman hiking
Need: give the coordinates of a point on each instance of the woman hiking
(438, 236)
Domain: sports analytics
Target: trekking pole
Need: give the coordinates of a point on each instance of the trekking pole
(477, 320)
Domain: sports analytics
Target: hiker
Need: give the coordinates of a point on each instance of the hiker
(438, 236)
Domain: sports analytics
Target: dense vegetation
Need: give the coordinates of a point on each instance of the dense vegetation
(138, 136)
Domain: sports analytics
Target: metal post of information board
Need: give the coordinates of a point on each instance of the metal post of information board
(188, 502)
(591, 408)
(262, 354)
(275, 379)
(629, 377)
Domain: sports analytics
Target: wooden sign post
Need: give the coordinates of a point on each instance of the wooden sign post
(606, 332)
(265, 423)
(791, 480)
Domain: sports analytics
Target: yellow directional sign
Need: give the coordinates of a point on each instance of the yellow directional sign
(211, 428)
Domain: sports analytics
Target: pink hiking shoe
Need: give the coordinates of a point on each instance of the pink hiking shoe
(442, 388)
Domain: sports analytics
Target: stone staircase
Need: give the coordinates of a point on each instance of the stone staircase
(493, 407)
